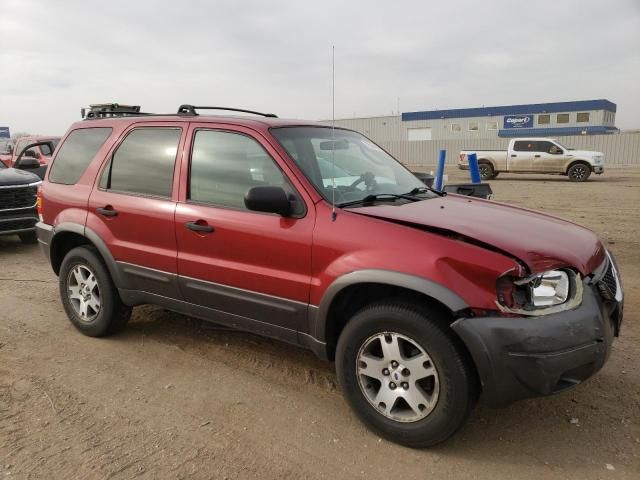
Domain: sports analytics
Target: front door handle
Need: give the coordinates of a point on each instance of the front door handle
(107, 211)
(537, 156)
(514, 155)
(199, 227)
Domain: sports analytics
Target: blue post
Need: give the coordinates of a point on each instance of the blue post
(474, 171)
(441, 158)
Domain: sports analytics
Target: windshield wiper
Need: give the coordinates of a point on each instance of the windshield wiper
(418, 190)
(379, 196)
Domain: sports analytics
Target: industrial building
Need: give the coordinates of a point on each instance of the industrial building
(416, 137)
(586, 117)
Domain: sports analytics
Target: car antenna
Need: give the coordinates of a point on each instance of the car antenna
(333, 133)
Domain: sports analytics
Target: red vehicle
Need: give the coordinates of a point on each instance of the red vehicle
(318, 237)
(42, 152)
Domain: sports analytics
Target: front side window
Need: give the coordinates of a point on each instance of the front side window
(562, 118)
(544, 147)
(144, 162)
(344, 164)
(76, 153)
(226, 165)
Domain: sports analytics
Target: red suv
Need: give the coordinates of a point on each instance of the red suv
(318, 237)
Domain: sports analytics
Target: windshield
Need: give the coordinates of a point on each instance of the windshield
(347, 160)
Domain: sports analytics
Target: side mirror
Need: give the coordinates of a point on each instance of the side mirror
(555, 150)
(28, 164)
(268, 199)
(27, 154)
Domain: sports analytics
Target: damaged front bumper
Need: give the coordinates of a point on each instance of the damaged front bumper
(522, 357)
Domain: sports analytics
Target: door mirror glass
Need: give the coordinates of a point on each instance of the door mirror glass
(268, 199)
(555, 150)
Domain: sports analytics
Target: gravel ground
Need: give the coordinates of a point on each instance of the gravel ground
(172, 397)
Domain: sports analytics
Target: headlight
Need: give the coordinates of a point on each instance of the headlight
(539, 294)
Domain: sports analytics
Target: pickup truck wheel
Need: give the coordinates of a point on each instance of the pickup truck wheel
(89, 296)
(486, 171)
(405, 376)
(579, 172)
(28, 237)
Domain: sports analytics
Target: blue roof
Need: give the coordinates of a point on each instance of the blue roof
(552, 132)
(582, 105)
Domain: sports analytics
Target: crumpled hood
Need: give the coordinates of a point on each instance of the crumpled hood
(541, 241)
(11, 176)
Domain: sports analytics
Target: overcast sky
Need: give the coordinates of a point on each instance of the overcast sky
(57, 56)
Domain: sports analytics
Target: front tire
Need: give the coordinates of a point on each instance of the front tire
(404, 374)
(579, 172)
(89, 296)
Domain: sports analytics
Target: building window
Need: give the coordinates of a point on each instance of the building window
(544, 119)
(492, 126)
(418, 134)
(562, 118)
(455, 127)
(473, 126)
(582, 117)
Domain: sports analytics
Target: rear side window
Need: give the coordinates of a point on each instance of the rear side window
(144, 163)
(76, 153)
(522, 146)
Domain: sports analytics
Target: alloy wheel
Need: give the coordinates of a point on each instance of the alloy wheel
(397, 377)
(84, 292)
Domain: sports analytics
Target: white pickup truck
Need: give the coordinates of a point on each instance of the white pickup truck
(536, 155)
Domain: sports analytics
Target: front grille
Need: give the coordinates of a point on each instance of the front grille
(18, 224)
(608, 285)
(18, 197)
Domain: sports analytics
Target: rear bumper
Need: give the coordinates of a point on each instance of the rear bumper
(45, 234)
(526, 357)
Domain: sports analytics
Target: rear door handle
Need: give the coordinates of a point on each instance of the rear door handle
(107, 211)
(537, 156)
(199, 227)
(514, 155)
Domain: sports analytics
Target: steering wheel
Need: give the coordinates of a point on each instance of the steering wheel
(369, 180)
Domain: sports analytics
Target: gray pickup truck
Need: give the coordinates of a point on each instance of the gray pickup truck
(536, 155)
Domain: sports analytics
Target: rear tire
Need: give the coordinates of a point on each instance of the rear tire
(433, 373)
(28, 238)
(579, 172)
(486, 171)
(88, 294)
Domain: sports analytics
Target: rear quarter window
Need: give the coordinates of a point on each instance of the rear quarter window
(76, 153)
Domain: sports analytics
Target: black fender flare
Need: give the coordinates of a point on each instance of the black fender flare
(97, 242)
(319, 316)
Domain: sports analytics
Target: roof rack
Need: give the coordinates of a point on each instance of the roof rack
(191, 110)
(106, 110)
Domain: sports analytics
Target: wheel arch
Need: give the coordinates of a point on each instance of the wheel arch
(489, 161)
(71, 235)
(353, 291)
(575, 161)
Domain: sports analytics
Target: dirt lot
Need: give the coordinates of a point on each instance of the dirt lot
(173, 398)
